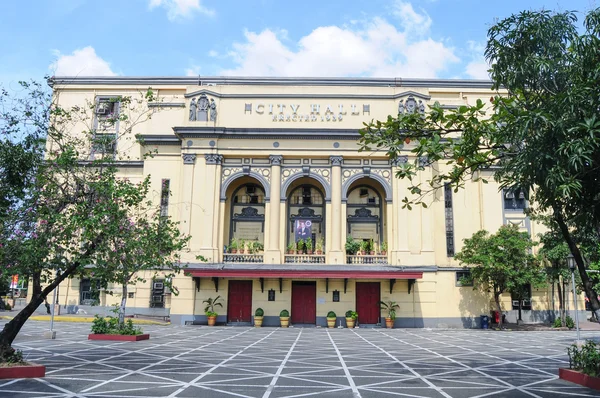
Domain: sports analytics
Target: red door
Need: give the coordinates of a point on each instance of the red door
(304, 302)
(367, 302)
(239, 303)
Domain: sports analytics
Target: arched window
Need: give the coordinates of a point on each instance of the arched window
(247, 217)
(364, 216)
(306, 216)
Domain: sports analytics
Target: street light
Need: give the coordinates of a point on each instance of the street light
(572, 265)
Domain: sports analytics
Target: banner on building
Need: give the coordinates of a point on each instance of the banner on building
(14, 283)
(303, 229)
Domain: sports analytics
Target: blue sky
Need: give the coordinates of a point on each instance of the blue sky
(400, 38)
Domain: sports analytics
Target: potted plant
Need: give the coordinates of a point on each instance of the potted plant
(319, 245)
(384, 248)
(351, 317)
(291, 248)
(309, 246)
(209, 310)
(300, 246)
(352, 246)
(233, 246)
(284, 318)
(257, 247)
(258, 317)
(390, 307)
(331, 318)
(245, 246)
(364, 245)
(371, 247)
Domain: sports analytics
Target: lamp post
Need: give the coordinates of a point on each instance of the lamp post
(572, 265)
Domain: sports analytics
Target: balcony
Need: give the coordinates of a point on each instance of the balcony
(305, 259)
(366, 259)
(242, 258)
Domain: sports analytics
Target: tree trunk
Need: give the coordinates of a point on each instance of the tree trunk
(561, 304)
(498, 308)
(123, 303)
(585, 280)
(12, 328)
(520, 308)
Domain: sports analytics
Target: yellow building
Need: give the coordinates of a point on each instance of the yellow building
(260, 163)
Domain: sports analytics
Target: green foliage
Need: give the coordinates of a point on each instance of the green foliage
(284, 314)
(7, 307)
(384, 246)
(331, 314)
(300, 245)
(233, 245)
(569, 322)
(586, 358)
(320, 243)
(259, 312)
(502, 262)
(308, 243)
(540, 133)
(352, 246)
(110, 325)
(211, 304)
(291, 246)
(351, 314)
(390, 307)
(557, 323)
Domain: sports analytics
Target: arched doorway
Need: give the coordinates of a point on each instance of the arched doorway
(244, 233)
(305, 231)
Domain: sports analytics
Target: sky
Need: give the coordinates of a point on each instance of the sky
(378, 38)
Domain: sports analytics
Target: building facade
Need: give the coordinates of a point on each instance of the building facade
(250, 166)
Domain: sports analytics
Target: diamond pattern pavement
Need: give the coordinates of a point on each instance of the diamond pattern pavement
(194, 361)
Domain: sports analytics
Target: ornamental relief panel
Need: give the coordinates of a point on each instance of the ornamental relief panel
(384, 173)
(230, 171)
(348, 173)
(286, 173)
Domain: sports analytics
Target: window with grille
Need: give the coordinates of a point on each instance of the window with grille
(164, 197)
(514, 199)
(449, 220)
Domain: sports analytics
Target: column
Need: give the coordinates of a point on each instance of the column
(273, 252)
(398, 238)
(187, 187)
(336, 255)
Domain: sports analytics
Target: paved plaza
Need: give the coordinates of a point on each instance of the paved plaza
(194, 361)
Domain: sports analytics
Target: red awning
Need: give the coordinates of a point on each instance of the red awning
(263, 273)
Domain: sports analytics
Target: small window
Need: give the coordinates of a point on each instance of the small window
(336, 296)
(106, 112)
(514, 199)
(130, 295)
(525, 299)
(164, 197)
(104, 143)
(463, 278)
(271, 295)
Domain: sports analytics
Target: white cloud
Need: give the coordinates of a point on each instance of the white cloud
(213, 53)
(373, 48)
(478, 67)
(82, 62)
(193, 71)
(177, 9)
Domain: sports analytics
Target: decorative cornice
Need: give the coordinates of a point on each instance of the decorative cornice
(166, 104)
(265, 133)
(188, 158)
(117, 163)
(213, 158)
(336, 160)
(149, 139)
(399, 160)
(269, 81)
(276, 160)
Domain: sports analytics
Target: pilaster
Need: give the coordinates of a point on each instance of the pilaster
(335, 254)
(273, 252)
(187, 186)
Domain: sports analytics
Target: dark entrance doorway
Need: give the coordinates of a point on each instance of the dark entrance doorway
(239, 303)
(367, 302)
(304, 303)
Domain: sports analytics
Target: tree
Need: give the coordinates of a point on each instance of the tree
(501, 263)
(540, 132)
(145, 241)
(69, 209)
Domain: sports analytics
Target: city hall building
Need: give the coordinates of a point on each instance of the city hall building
(251, 166)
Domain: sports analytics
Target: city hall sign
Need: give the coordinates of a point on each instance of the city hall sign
(310, 113)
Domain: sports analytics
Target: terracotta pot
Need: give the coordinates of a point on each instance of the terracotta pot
(319, 252)
(309, 252)
(331, 322)
(258, 320)
(384, 253)
(212, 320)
(389, 323)
(372, 253)
(285, 321)
(349, 323)
(233, 251)
(291, 252)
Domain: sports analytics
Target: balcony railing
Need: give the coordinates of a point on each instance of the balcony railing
(304, 259)
(367, 259)
(242, 258)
